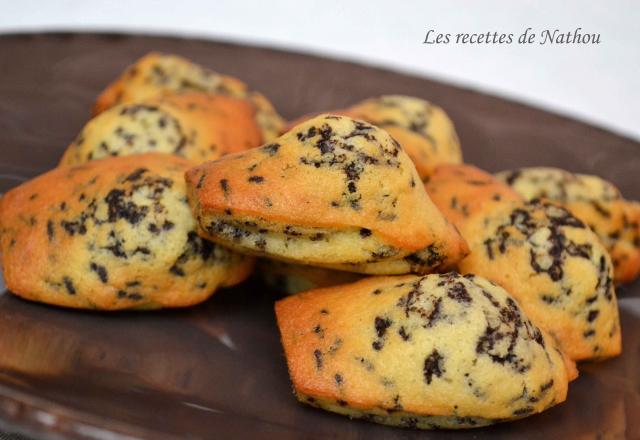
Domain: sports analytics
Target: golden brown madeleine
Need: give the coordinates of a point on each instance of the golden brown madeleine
(333, 192)
(437, 351)
(111, 234)
(541, 254)
(556, 268)
(461, 191)
(424, 130)
(197, 126)
(593, 200)
(287, 278)
(159, 74)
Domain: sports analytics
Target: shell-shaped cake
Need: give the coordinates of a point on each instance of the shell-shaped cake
(332, 192)
(111, 234)
(437, 351)
(556, 268)
(157, 74)
(593, 200)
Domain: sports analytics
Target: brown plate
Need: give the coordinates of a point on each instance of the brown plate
(217, 370)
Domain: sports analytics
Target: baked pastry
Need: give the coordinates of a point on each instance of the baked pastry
(423, 129)
(333, 192)
(593, 200)
(556, 268)
(287, 278)
(111, 234)
(159, 74)
(461, 191)
(197, 126)
(541, 254)
(437, 351)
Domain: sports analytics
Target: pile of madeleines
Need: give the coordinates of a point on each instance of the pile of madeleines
(433, 294)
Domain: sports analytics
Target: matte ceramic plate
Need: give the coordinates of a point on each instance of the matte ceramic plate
(217, 370)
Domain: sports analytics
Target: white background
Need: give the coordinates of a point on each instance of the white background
(598, 84)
